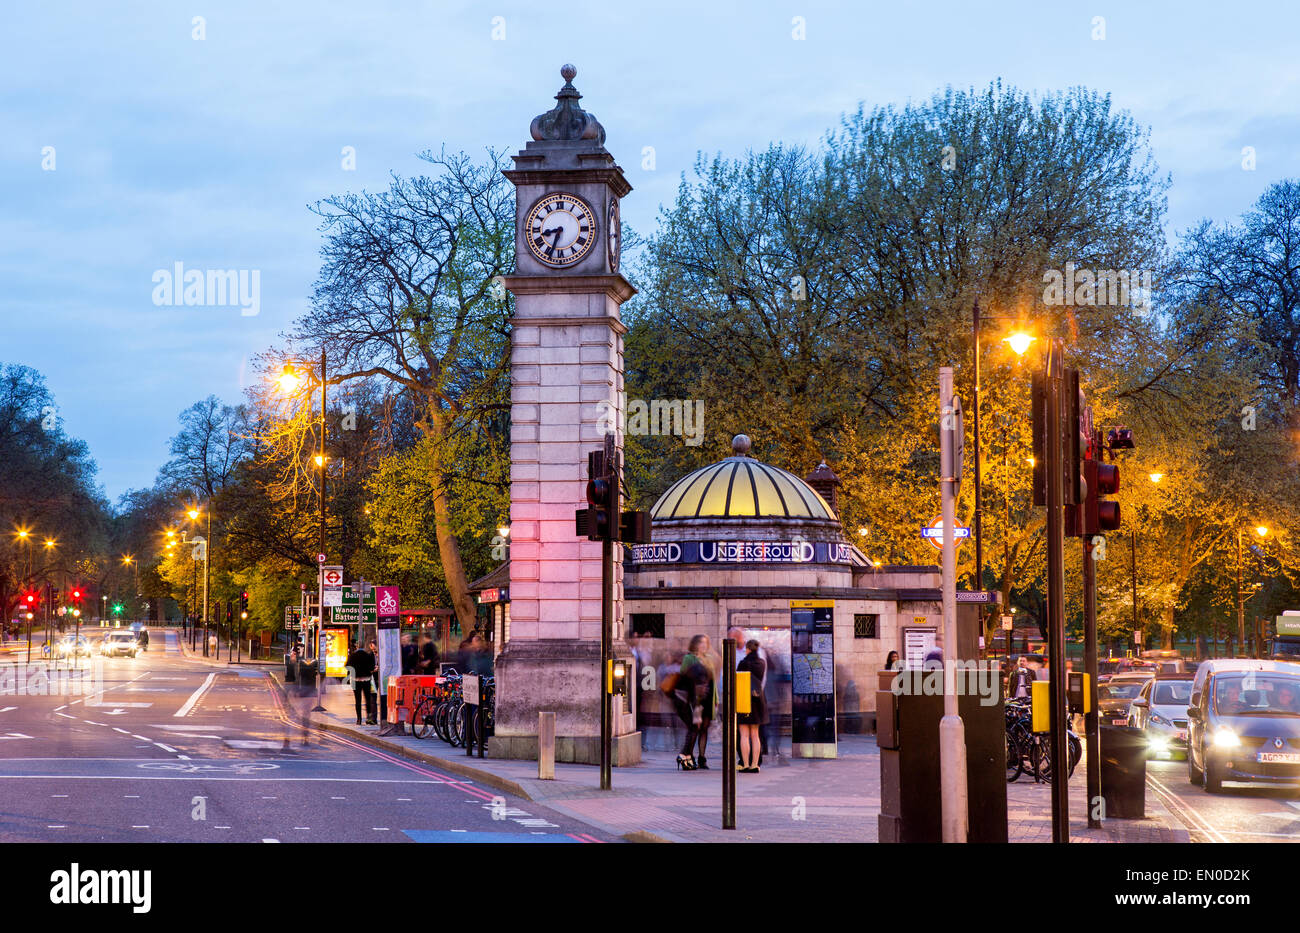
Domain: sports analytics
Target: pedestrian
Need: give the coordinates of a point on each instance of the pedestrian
(748, 723)
(410, 655)
(640, 662)
(1020, 679)
(694, 701)
(479, 656)
(738, 636)
(892, 663)
(361, 663)
(428, 660)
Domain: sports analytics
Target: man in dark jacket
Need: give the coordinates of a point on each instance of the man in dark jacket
(362, 665)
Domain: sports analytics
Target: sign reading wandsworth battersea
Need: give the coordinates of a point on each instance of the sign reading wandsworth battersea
(738, 552)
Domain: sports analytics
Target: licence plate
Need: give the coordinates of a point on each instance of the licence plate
(1182, 736)
(1283, 757)
(1119, 722)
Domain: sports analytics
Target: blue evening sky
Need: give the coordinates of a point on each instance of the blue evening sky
(207, 152)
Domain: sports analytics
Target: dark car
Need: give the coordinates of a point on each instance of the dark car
(1244, 723)
(1113, 699)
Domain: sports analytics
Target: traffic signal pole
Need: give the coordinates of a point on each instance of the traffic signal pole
(1056, 590)
(1091, 721)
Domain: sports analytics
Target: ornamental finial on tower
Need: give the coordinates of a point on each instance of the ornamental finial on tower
(567, 121)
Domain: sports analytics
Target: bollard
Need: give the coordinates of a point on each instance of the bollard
(729, 733)
(546, 746)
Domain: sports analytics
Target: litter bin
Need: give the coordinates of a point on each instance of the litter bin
(1124, 772)
(290, 669)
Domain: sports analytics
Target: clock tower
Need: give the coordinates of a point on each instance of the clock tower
(565, 387)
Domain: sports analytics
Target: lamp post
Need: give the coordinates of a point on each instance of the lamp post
(289, 381)
(1019, 342)
(1262, 531)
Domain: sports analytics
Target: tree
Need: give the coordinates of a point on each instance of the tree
(410, 292)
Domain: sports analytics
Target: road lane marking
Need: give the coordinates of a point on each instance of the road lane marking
(302, 827)
(131, 796)
(58, 795)
(7, 709)
(270, 840)
(196, 696)
(166, 748)
(139, 827)
(65, 716)
(57, 826)
(57, 708)
(142, 738)
(338, 798)
(123, 731)
(380, 829)
(14, 735)
(1194, 820)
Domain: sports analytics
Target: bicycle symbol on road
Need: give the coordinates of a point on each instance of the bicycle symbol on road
(191, 767)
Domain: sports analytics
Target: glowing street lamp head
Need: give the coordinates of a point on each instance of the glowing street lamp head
(22, 533)
(1030, 460)
(289, 380)
(50, 542)
(503, 531)
(1156, 477)
(320, 461)
(193, 514)
(1020, 342)
(1262, 531)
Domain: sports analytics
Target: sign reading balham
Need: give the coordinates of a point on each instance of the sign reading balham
(737, 552)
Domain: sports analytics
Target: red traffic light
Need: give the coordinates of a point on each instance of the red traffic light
(1100, 514)
(76, 594)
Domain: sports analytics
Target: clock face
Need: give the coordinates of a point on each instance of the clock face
(560, 229)
(613, 234)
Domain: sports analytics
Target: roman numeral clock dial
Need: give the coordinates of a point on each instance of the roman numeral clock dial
(560, 229)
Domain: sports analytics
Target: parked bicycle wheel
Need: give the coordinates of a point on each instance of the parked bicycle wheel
(440, 721)
(456, 724)
(422, 718)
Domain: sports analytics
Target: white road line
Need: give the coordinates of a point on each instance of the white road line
(1183, 811)
(65, 715)
(58, 795)
(338, 798)
(183, 757)
(166, 748)
(142, 738)
(131, 796)
(7, 709)
(123, 731)
(139, 827)
(270, 840)
(196, 696)
(221, 827)
(57, 826)
(380, 829)
(270, 798)
(460, 830)
(302, 827)
(57, 708)
(104, 724)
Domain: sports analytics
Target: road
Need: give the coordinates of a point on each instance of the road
(1242, 813)
(168, 749)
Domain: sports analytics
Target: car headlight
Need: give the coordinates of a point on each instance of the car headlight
(1160, 720)
(1159, 745)
(1226, 738)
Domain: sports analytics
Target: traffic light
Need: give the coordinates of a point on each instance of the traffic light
(243, 603)
(117, 609)
(1101, 514)
(230, 613)
(76, 594)
(597, 521)
(30, 600)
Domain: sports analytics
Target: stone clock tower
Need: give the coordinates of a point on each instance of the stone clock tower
(566, 378)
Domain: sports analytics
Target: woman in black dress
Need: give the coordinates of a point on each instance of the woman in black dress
(748, 723)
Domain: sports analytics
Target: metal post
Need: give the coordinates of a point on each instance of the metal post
(977, 526)
(320, 568)
(606, 653)
(952, 735)
(1056, 592)
(1091, 720)
(1241, 606)
(1133, 556)
(728, 733)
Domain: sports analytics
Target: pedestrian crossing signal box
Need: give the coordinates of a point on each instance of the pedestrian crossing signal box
(1077, 697)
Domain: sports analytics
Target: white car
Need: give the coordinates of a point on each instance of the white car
(115, 644)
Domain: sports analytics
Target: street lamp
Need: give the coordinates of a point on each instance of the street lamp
(289, 381)
(1019, 341)
(1262, 531)
(202, 546)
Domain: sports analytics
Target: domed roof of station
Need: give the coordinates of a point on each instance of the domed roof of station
(741, 487)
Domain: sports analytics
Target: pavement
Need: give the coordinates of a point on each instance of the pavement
(790, 800)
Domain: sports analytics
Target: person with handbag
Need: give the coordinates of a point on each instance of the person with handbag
(748, 723)
(693, 697)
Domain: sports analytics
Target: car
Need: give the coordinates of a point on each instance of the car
(119, 643)
(1244, 723)
(1160, 710)
(69, 646)
(1113, 700)
(1110, 667)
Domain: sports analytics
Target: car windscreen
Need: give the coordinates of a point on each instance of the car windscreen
(1120, 691)
(1254, 694)
(1176, 693)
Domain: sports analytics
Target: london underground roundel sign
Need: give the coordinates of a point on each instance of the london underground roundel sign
(933, 533)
